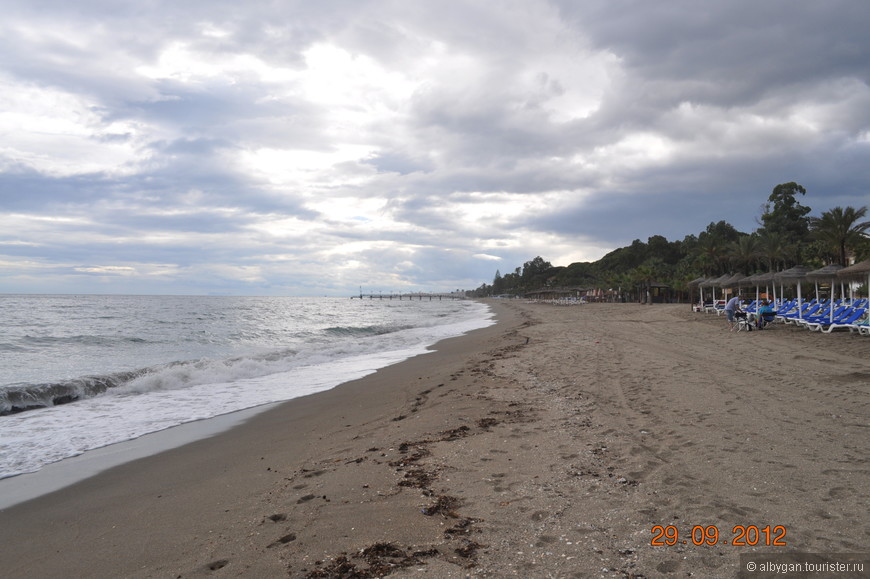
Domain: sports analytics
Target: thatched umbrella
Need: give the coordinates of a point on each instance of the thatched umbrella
(856, 272)
(733, 281)
(829, 272)
(756, 280)
(794, 276)
(704, 284)
(696, 283)
(746, 281)
(714, 283)
(766, 279)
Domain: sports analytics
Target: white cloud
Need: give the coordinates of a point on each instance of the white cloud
(310, 169)
(59, 133)
(406, 144)
(107, 269)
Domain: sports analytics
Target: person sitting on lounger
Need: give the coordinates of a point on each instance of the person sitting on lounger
(765, 315)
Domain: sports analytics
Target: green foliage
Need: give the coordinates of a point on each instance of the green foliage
(745, 253)
(784, 215)
(711, 254)
(840, 230)
(787, 234)
(660, 248)
(497, 283)
(862, 250)
(773, 249)
(578, 274)
(722, 231)
(534, 274)
(535, 267)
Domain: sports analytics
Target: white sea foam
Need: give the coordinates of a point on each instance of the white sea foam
(174, 393)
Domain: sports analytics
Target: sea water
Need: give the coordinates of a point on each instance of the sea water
(83, 372)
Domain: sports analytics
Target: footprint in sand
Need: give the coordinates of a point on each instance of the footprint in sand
(840, 493)
(668, 566)
(217, 565)
(288, 538)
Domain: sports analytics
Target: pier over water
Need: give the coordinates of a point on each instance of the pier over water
(411, 296)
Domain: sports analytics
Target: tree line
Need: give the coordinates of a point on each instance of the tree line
(787, 235)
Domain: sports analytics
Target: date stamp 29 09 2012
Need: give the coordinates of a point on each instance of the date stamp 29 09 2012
(741, 535)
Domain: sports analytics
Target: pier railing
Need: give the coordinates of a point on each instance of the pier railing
(411, 296)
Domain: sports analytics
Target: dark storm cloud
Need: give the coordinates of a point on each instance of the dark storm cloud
(735, 52)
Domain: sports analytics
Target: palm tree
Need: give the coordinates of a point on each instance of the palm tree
(647, 272)
(623, 282)
(643, 275)
(712, 252)
(614, 281)
(840, 229)
(778, 250)
(773, 249)
(679, 282)
(745, 253)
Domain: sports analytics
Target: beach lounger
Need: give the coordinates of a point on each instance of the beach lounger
(785, 307)
(861, 328)
(824, 315)
(862, 324)
(791, 318)
(843, 323)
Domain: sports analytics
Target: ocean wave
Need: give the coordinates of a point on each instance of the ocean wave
(375, 330)
(244, 363)
(19, 398)
(172, 376)
(182, 375)
(29, 341)
(11, 348)
(340, 342)
(311, 346)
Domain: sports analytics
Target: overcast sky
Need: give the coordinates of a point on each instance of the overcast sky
(313, 148)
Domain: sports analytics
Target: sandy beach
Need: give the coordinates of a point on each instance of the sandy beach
(549, 445)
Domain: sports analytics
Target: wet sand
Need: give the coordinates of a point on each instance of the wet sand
(549, 445)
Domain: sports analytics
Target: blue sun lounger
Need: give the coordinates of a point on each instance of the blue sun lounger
(844, 323)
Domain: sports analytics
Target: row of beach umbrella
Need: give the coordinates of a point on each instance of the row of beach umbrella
(794, 276)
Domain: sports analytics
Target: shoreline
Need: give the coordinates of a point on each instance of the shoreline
(30, 477)
(58, 475)
(548, 444)
(223, 464)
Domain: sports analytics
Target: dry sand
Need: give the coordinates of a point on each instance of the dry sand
(548, 445)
